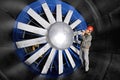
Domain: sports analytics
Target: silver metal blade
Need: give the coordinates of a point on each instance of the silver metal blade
(36, 55)
(48, 13)
(49, 61)
(32, 29)
(31, 42)
(59, 13)
(75, 24)
(60, 56)
(70, 58)
(68, 16)
(38, 18)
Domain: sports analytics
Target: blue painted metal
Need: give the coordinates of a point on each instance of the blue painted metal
(25, 18)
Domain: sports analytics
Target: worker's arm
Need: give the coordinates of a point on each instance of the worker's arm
(79, 32)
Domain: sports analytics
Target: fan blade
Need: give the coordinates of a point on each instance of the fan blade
(70, 58)
(38, 18)
(49, 61)
(60, 57)
(36, 55)
(59, 13)
(75, 49)
(48, 13)
(31, 42)
(75, 24)
(31, 28)
(68, 16)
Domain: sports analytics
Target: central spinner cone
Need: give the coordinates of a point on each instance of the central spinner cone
(60, 35)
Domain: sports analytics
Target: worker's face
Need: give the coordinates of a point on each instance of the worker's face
(87, 31)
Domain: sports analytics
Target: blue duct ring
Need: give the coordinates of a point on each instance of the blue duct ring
(25, 18)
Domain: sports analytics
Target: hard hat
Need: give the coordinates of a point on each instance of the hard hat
(90, 28)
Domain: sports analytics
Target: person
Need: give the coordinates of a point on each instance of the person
(85, 45)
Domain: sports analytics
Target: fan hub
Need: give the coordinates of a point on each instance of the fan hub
(60, 35)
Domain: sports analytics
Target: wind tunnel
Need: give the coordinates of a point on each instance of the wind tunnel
(16, 54)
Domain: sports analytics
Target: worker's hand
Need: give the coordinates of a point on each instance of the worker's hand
(83, 32)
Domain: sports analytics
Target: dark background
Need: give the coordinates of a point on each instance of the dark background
(104, 15)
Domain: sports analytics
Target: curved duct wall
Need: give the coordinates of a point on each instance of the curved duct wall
(104, 57)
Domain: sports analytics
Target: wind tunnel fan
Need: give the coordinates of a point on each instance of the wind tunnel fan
(44, 37)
